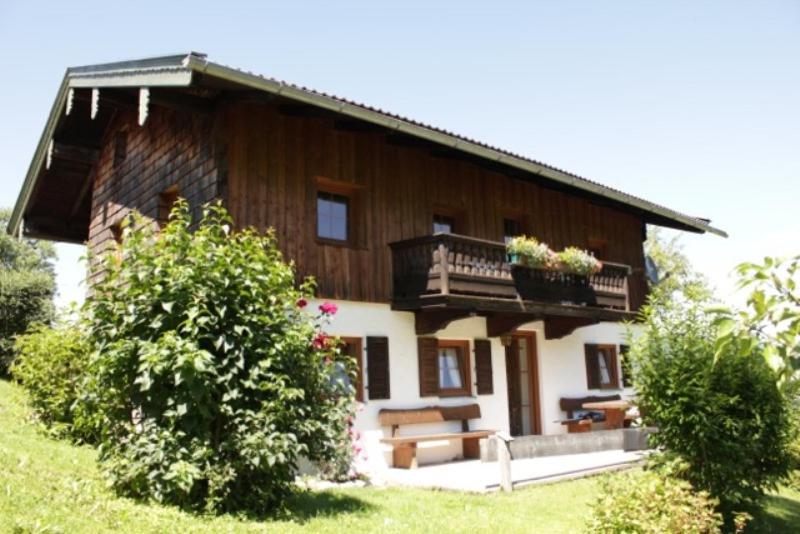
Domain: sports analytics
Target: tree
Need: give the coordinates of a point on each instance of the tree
(677, 278)
(209, 376)
(769, 324)
(27, 287)
(719, 410)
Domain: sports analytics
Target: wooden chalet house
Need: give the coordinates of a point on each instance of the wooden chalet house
(402, 224)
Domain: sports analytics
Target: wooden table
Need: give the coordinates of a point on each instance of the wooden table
(614, 410)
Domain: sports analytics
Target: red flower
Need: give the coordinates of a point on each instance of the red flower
(328, 308)
(301, 303)
(320, 341)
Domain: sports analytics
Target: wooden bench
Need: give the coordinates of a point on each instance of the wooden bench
(571, 405)
(404, 453)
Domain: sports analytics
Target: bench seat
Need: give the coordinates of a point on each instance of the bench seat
(404, 448)
(472, 434)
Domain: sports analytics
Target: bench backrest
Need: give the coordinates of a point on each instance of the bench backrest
(429, 414)
(570, 405)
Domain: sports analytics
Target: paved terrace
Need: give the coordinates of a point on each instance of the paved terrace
(477, 476)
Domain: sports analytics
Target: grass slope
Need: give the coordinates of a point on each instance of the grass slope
(51, 486)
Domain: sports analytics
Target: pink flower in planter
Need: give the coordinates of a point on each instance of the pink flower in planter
(328, 308)
(301, 303)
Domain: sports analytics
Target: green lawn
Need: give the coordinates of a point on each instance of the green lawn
(50, 486)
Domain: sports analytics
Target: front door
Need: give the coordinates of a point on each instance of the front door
(522, 377)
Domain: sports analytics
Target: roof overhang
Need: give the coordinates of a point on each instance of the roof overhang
(180, 71)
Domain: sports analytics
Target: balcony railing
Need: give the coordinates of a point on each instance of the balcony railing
(448, 264)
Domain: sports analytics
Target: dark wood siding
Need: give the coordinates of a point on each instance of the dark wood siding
(276, 159)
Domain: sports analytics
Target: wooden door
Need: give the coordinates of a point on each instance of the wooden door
(522, 379)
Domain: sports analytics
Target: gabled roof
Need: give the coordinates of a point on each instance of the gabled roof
(193, 70)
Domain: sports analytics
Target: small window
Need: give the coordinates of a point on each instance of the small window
(166, 201)
(116, 232)
(443, 224)
(120, 148)
(511, 229)
(601, 367)
(333, 216)
(453, 368)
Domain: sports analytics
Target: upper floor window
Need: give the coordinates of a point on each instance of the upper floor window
(444, 224)
(511, 229)
(598, 248)
(333, 214)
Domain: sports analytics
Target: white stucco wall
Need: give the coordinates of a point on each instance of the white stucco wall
(562, 373)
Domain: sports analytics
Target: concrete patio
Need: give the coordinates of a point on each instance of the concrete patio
(477, 476)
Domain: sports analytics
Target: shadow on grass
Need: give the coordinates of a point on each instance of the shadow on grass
(780, 514)
(306, 505)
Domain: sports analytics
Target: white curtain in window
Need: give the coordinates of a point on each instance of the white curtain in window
(605, 377)
(449, 373)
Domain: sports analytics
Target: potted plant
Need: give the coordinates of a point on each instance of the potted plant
(576, 261)
(528, 251)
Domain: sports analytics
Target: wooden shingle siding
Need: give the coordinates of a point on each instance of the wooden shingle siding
(172, 149)
(274, 160)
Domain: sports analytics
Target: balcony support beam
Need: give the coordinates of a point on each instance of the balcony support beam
(500, 324)
(431, 321)
(556, 327)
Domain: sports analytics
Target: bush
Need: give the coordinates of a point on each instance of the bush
(50, 365)
(209, 377)
(648, 502)
(723, 414)
(25, 298)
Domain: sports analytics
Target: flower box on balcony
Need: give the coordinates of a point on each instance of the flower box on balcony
(552, 286)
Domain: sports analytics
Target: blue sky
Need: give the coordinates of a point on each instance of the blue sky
(694, 105)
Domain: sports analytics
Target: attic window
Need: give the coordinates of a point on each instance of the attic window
(120, 147)
(166, 201)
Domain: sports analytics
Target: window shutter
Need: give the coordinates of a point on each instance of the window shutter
(428, 356)
(627, 378)
(378, 367)
(483, 367)
(592, 367)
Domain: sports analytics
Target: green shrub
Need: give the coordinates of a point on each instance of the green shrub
(722, 413)
(209, 376)
(50, 365)
(645, 502)
(25, 299)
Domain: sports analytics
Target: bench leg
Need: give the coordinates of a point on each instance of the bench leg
(615, 418)
(471, 447)
(574, 427)
(404, 456)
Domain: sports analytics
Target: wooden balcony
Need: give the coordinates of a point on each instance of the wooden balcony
(446, 276)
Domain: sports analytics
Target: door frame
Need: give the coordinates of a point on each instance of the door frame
(533, 379)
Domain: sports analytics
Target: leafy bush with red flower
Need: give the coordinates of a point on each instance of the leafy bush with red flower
(208, 377)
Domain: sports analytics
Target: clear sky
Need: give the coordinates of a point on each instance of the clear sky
(694, 105)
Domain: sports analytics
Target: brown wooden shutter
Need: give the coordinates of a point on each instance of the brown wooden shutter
(483, 367)
(625, 363)
(428, 360)
(592, 368)
(378, 367)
